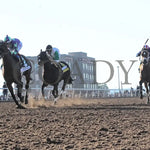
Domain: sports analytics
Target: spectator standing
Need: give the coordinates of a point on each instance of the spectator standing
(5, 91)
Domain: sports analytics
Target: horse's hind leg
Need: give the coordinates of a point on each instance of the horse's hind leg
(27, 89)
(55, 93)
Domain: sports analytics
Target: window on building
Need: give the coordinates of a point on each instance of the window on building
(86, 66)
(92, 68)
(83, 66)
(89, 67)
(87, 76)
(84, 75)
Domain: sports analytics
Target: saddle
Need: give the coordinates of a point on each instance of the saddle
(23, 63)
(18, 58)
(61, 66)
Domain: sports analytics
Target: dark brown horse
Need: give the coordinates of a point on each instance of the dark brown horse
(145, 73)
(53, 75)
(12, 74)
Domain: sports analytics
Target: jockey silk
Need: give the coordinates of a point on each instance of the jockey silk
(17, 44)
(55, 54)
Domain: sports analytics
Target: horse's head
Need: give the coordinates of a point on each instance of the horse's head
(42, 58)
(3, 48)
(145, 56)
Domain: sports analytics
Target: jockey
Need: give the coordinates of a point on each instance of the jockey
(53, 52)
(54, 55)
(146, 47)
(14, 45)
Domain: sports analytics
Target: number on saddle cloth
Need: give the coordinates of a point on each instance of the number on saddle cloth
(64, 67)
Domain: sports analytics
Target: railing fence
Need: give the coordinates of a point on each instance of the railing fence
(75, 93)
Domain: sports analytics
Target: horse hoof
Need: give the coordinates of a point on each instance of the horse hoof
(26, 101)
(22, 99)
(55, 101)
(20, 107)
(61, 96)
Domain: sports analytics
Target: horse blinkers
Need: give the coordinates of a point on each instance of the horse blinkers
(145, 55)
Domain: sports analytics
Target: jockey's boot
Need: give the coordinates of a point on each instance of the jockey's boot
(57, 64)
(21, 61)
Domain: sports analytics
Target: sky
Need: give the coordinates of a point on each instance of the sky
(107, 30)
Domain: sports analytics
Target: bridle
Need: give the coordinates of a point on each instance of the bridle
(145, 57)
(41, 62)
(46, 60)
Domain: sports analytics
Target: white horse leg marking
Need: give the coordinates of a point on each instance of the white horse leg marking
(61, 92)
(55, 100)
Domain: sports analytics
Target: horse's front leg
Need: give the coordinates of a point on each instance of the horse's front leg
(55, 91)
(141, 89)
(19, 92)
(13, 95)
(63, 89)
(147, 90)
(43, 86)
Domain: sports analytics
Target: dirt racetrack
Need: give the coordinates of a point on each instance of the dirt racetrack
(119, 124)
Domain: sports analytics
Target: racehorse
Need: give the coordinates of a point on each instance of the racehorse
(145, 73)
(53, 74)
(12, 74)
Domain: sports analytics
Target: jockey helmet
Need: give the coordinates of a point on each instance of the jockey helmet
(146, 47)
(7, 39)
(48, 47)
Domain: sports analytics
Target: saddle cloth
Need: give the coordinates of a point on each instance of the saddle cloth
(64, 67)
